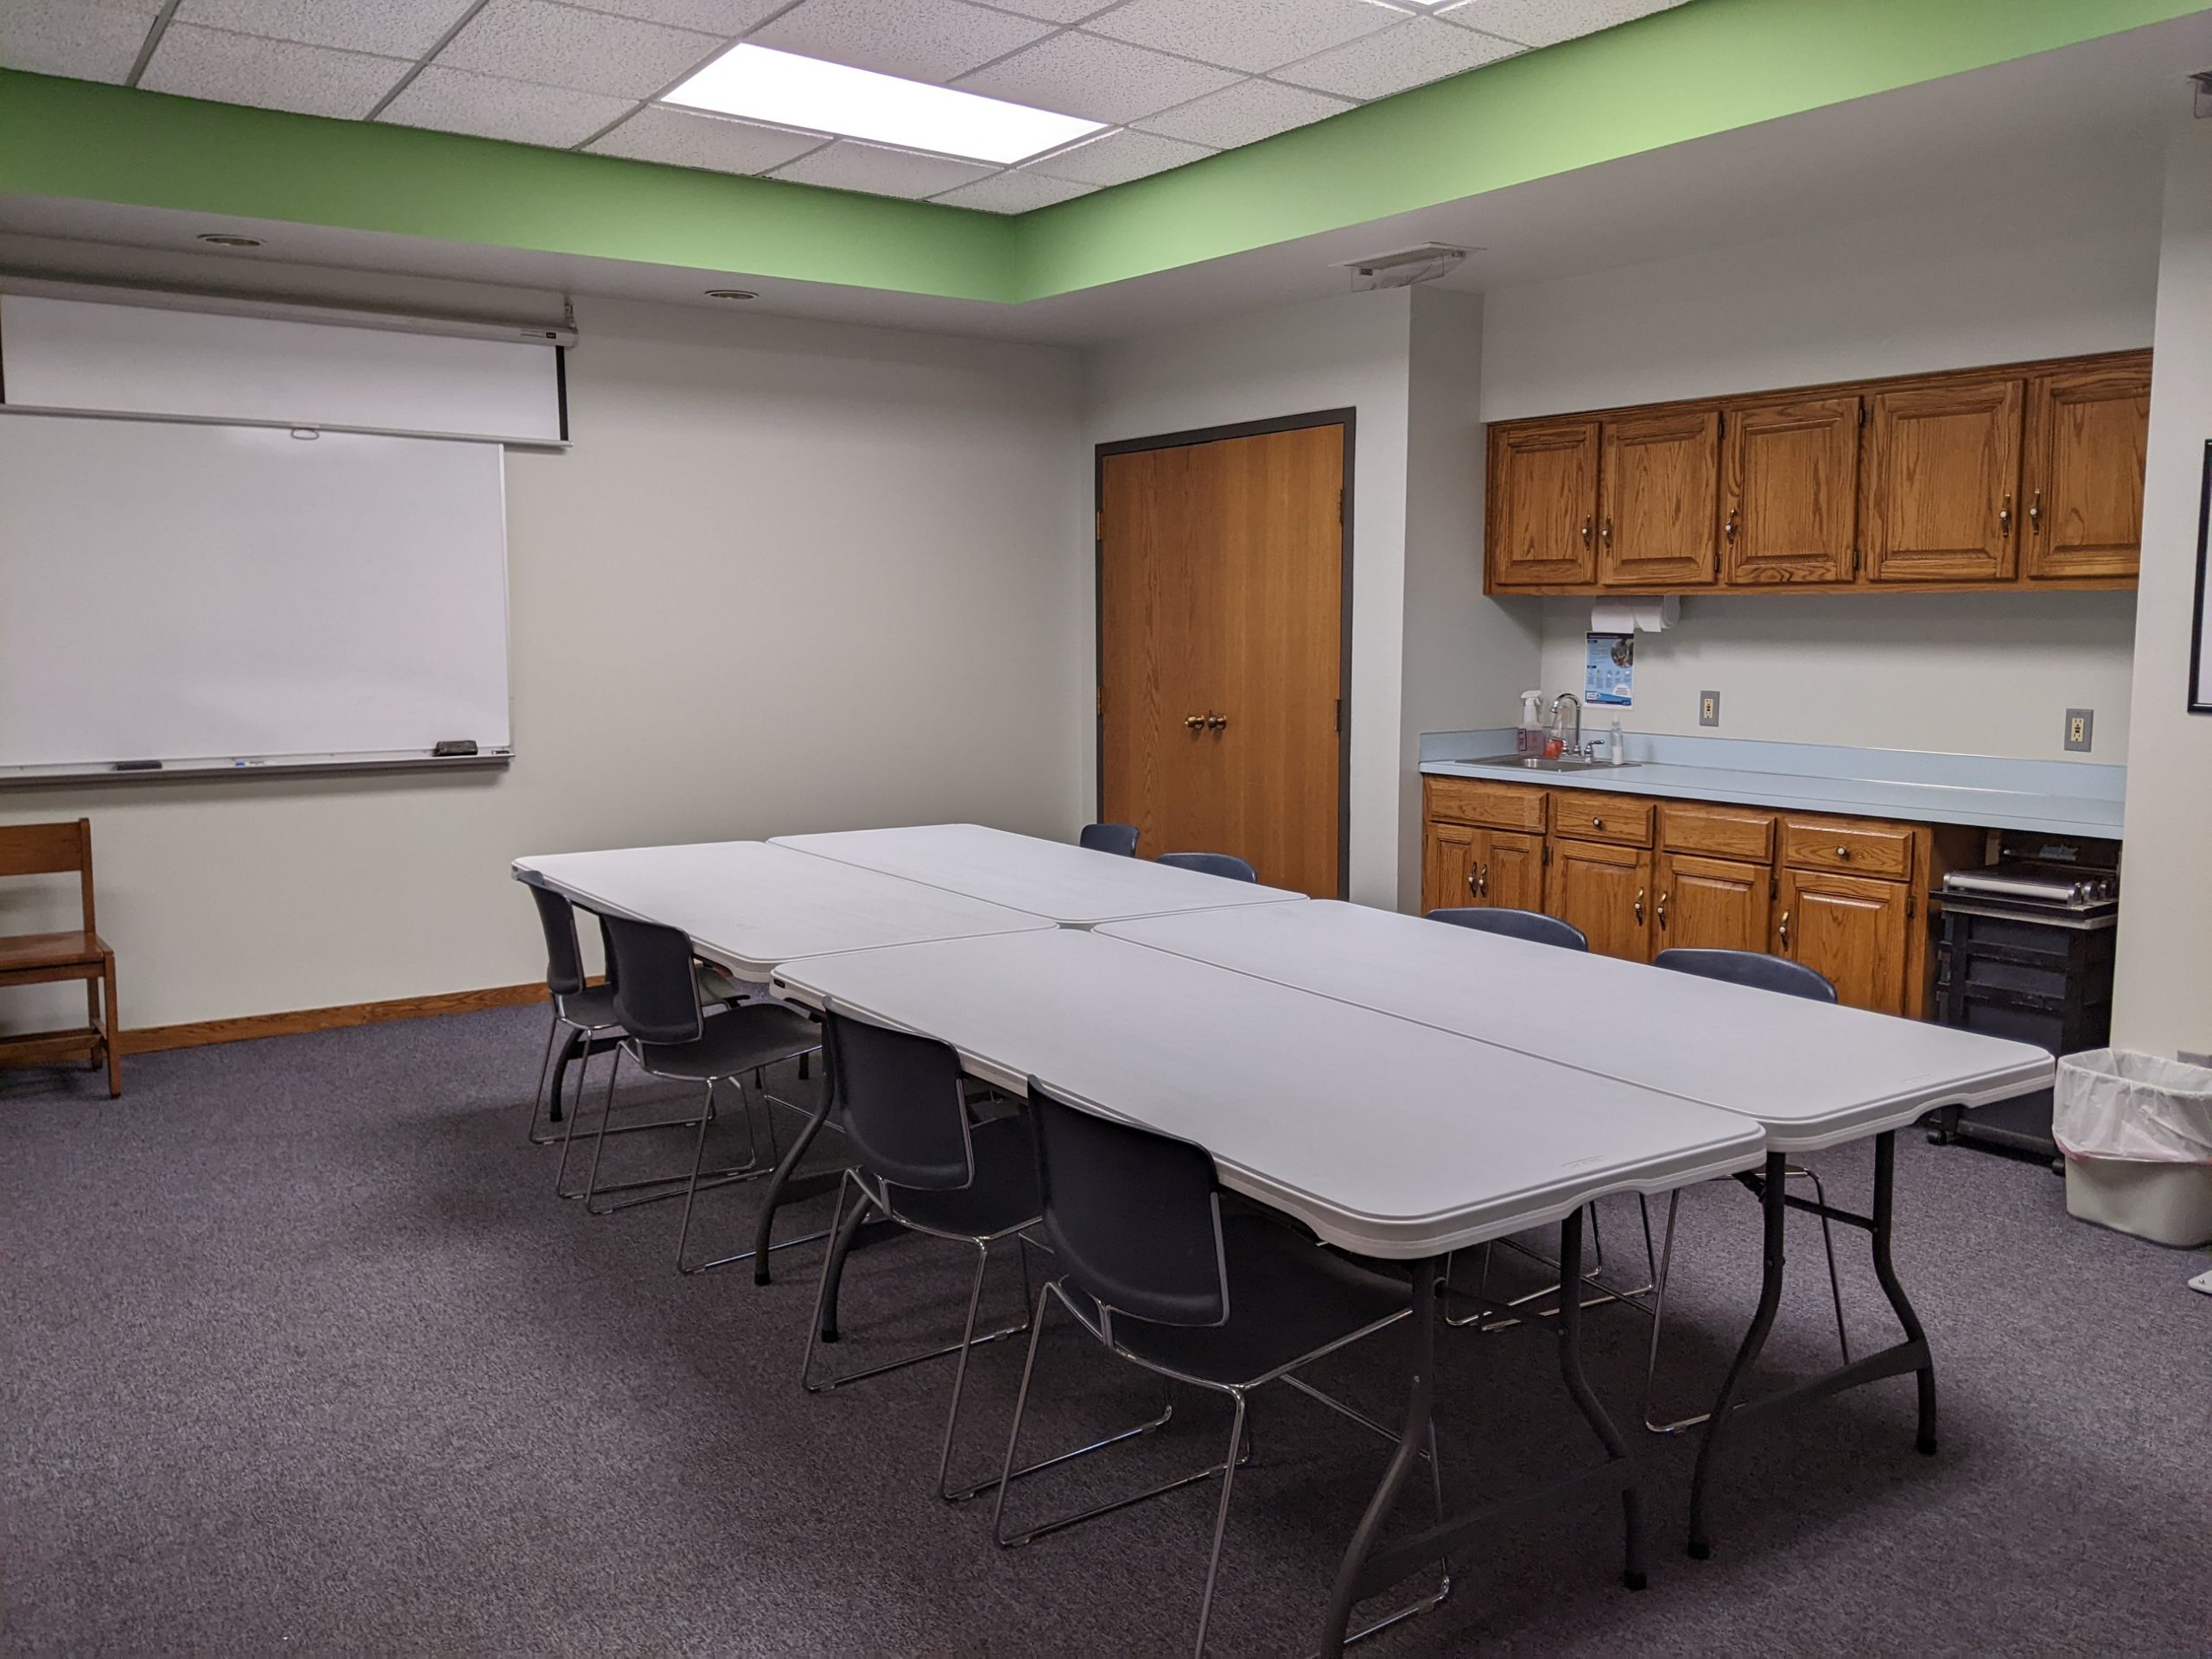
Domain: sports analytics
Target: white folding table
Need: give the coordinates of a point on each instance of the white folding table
(1810, 1074)
(1067, 885)
(1435, 1143)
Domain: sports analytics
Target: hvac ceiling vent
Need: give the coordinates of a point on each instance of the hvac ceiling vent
(1406, 267)
(2202, 81)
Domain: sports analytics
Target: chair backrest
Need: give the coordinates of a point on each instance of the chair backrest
(656, 997)
(52, 849)
(1532, 925)
(564, 963)
(1226, 864)
(904, 1114)
(1110, 838)
(1134, 1217)
(1752, 968)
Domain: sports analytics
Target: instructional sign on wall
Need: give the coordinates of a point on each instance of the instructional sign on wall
(1609, 677)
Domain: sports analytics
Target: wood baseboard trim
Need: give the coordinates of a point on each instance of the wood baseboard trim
(149, 1039)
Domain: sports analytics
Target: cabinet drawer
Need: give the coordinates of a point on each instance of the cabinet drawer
(1850, 846)
(1718, 831)
(1586, 815)
(1475, 800)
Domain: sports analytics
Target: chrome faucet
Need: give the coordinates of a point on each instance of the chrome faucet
(1572, 749)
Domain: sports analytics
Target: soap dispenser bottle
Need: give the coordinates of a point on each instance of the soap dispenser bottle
(1530, 739)
(1615, 744)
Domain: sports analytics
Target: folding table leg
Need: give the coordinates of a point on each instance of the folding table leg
(1773, 1197)
(1885, 1174)
(1578, 1386)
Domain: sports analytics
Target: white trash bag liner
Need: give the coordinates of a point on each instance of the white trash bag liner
(2118, 1104)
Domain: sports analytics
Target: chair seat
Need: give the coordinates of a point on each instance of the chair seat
(1001, 1196)
(742, 1040)
(593, 1007)
(1288, 1296)
(78, 949)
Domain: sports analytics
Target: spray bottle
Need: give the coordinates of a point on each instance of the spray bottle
(1530, 739)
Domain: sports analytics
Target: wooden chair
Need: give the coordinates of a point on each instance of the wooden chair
(44, 958)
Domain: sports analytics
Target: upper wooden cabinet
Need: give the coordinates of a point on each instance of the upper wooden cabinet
(2082, 482)
(1543, 503)
(1659, 478)
(1942, 473)
(1789, 490)
(2028, 475)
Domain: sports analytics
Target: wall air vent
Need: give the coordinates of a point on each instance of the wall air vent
(1406, 267)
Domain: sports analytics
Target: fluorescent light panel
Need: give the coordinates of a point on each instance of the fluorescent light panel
(762, 84)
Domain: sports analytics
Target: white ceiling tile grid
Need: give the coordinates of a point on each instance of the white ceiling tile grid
(230, 69)
(922, 40)
(848, 164)
(1173, 80)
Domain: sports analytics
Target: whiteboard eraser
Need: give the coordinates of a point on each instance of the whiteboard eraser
(454, 746)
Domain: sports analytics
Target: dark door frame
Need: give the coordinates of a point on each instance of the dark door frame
(1345, 418)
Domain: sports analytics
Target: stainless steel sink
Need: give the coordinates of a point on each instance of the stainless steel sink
(1537, 763)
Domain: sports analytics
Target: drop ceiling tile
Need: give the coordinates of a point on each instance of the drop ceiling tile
(227, 69)
(1412, 54)
(686, 138)
(68, 37)
(1100, 79)
(453, 100)
(723, 17)
(851, 165)
(395, 29)
(556, 45)
(1055, 11)
(1249, 34)
(1244, 114)
(922, 40)
(1118, 157)
(1547, 22)
(1017, 190)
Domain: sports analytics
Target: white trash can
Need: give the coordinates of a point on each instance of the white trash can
(2137, 1133)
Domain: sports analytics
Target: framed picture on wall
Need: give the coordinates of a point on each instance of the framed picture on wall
(2200, 640)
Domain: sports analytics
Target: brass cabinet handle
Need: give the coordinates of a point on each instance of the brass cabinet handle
(1194, 721)
(2004, 515)
(1597, 824)
(1728, 528)
(1661, 916)
(1606, 534)
(1215, 722)
(1843, 852)
(1586, 532)
(1484, 889)
(1639, 905)
(1785, 932)
(2034, 513)
(1473, 892)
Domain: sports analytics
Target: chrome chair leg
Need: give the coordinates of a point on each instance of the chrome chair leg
(1221, 1517)
(655, 1189)
(583, 1068)
(1828, 1243)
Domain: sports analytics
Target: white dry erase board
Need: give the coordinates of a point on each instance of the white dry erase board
(236, 597)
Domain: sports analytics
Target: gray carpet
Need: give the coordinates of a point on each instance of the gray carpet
(302, 1354)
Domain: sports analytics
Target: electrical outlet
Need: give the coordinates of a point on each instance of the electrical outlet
(2079, 724)
(1708, 707)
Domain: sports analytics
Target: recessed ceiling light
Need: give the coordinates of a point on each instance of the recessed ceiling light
(226, 239)
(731, 294)
(762, 84)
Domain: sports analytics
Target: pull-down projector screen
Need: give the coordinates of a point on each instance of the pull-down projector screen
(229, 597)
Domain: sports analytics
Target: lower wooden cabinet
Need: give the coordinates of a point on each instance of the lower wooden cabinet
(1855, 928)
(1711, 904)
(1465, 864)
(1605, 891)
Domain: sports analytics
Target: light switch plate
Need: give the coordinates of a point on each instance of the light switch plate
(2081, 726)
(1708, 707)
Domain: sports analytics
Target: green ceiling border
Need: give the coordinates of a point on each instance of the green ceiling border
(1707, 66)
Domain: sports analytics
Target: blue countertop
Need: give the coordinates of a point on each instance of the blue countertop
(1987, 791)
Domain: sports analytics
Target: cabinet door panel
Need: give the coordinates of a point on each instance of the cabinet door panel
(1604, 890)
(1544, 504)
(1789, 498)
(1447, 864)
(1513, 871)
(2086, 432)
(1942, 481)
(1853, 930)
(1711, 904)
(1658, 488)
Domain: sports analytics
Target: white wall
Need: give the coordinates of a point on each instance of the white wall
(2163, 995)
(790, 576)
(2065, 268)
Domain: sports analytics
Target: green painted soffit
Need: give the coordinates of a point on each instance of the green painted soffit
(1704, 68)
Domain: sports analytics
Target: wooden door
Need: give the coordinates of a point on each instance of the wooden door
(1853, 930)
(2088, 431)
(1221, 640)
(1604, 890)
(1542, 510)
(1942, 480)
(1449, 858)
(1659, 479)
(1790, 492)
(1710, 904)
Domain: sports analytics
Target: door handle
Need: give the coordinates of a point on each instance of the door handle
(1196, 722)
(1728, 526)
(2035, 512)
(1215, 722)
(1483, 890)
(1639, 906)
(1597, 824)
(1586, 532)
(1474, 874)
(1843, 852)
(1606, 534)
(2004, 515)
(1660, 916)
(1785, 933)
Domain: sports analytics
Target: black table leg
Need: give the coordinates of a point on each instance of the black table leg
(1772, 1183)
(764, 1226)
(1886, 1175)
(1578, 1385)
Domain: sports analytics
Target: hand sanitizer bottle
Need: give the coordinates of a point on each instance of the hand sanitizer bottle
(1530, 739)
(1616, 741)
